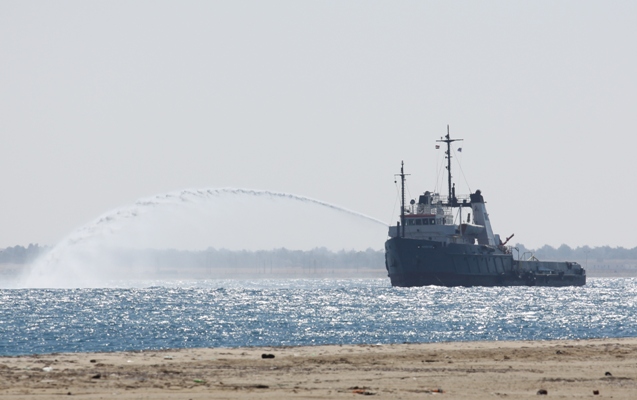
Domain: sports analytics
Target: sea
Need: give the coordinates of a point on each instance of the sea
(302, 312)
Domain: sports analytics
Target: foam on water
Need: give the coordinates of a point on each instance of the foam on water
(196, 219)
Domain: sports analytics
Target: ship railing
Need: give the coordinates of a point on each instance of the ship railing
(463, 197)
(438, 202)
(437, 199)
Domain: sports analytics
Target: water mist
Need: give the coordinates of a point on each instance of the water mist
(234, 219)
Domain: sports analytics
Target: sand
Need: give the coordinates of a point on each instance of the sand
(471, 370)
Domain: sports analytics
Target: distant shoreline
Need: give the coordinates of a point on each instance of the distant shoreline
(601, 262)
(619, 269)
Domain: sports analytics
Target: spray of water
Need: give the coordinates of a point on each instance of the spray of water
(236, 219)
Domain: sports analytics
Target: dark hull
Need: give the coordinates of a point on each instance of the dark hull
(413, 262)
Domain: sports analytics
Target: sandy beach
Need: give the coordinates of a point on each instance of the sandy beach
(478, 370)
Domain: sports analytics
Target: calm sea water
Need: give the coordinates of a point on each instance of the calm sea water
(235, 313)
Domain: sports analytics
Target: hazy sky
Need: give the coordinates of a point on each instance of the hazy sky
(103, 103)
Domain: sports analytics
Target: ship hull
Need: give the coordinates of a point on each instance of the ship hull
(416, 262)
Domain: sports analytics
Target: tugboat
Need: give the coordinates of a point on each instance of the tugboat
(426, 247)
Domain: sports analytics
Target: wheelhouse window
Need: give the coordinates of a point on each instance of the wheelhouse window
(432, 221)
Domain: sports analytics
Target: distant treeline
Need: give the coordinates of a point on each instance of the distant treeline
(319, 257)
(280, 258)
(21, 255)
(566, 253)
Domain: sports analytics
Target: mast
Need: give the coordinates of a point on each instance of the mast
(402, 203)
(448, 140)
